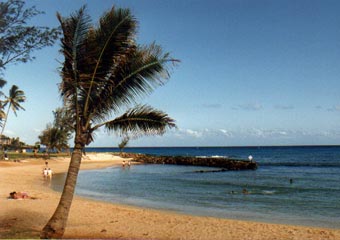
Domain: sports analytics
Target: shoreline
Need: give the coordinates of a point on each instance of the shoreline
(98, 219)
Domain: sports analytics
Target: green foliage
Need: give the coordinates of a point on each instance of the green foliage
(18, 39)
(141, 120)
(56, 135)
(13, 100)
(54, 138)
(16, 144)
(124, 143)
(105, 71)
(63, 120)
(13, 143)
(29, 155)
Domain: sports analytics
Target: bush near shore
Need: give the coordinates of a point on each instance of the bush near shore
(13, 156)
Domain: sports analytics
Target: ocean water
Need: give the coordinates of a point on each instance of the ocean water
(293, 185)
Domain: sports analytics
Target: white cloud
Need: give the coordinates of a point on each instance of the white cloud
(228, 137)
(226, 132)
(201, 133)
(196, 134)
(248, 107)
(244, 133)
(269, 133)
(284, 107)
(335, 108)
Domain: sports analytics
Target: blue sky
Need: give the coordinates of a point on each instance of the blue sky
(252, 72)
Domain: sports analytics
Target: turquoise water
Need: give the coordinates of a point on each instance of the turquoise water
(312, 198)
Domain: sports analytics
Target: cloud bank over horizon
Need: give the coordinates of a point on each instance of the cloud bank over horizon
(225, 137)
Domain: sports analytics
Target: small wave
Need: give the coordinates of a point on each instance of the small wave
(217, 156)
(304, 164)
(213, 156)
(268, 192)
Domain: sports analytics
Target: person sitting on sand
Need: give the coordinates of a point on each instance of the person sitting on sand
(19, 195)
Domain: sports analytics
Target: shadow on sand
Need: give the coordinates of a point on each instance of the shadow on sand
(13, 225)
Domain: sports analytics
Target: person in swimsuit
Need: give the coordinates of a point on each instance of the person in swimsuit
(18, 195)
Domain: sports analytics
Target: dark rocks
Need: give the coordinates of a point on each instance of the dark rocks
(224, 163)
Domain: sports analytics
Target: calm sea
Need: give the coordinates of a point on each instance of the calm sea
(293, 185)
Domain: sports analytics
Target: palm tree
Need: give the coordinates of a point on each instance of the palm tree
(54, 138)
(13, 100)
(123, 143)
(2, 112)
(104, 72)
(57, 134)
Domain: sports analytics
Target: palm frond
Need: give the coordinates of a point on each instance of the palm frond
(16, 96)
(105, 71)
(141, 120)
(113, 41)
(75, 30)
(2, 82)
(145, 69)
(2, 113)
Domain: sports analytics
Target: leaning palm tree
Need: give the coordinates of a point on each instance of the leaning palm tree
(2, 112)
(2, 117)
(105, 72)
(13, 100)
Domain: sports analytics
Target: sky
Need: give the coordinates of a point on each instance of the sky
(252, 72)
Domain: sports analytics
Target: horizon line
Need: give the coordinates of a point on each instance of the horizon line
(238, 146)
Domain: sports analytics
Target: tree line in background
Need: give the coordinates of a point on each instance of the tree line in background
(12, 143)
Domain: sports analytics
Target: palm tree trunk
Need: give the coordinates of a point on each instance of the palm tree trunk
(2, 131)
(55, 227)
(3, 127)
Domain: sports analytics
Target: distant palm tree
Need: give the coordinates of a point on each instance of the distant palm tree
(123, 143)
(54, 138)
(104, 72)
(13, 100)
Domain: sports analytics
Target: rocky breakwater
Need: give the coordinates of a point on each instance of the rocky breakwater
(217, 162)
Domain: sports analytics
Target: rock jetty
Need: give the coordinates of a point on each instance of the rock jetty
(218, 162)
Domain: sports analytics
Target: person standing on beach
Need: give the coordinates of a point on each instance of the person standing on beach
(45, 172)
(49, 173)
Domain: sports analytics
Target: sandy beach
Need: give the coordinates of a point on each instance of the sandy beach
(95, 219)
